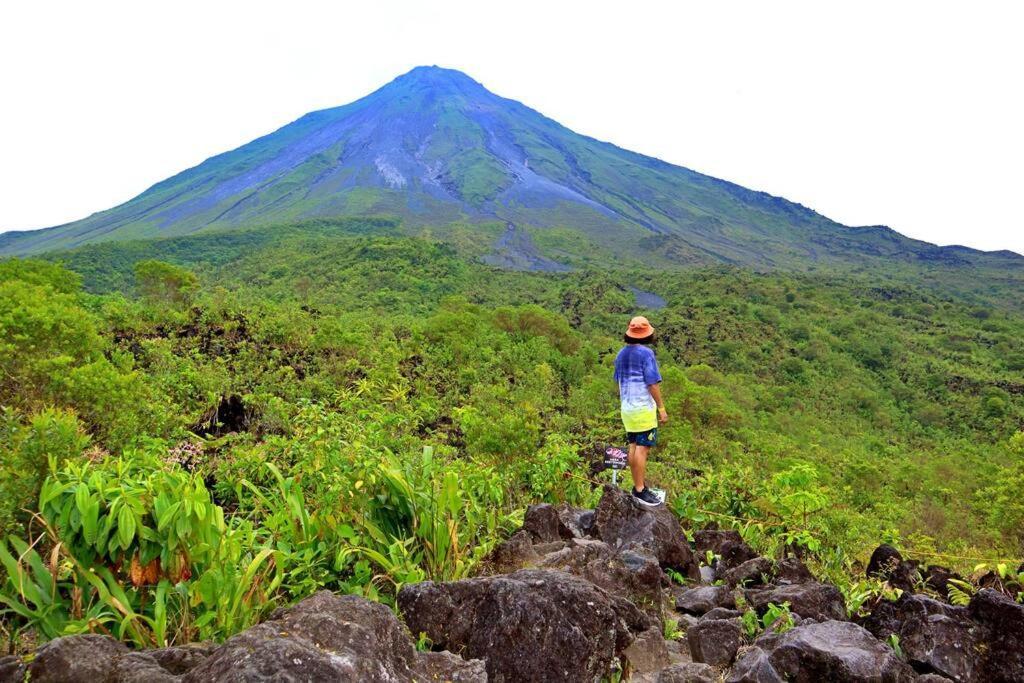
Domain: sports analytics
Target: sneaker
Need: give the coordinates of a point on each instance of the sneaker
(646, 498)
(658, 493)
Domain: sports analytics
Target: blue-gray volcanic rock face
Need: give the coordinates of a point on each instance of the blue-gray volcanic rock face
(434, 147)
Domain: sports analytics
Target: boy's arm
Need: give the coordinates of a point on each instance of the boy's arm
(655, 390)
(652, 377)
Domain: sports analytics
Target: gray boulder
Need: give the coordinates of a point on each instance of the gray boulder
(753, 666)
(934, 636)
(688, 672)
(648, 654)
(943, 645)
(727, 544)
(449, 668)
(545, 522)
(576, 555)
(715, 641)
(532, 625)
(548, 547)
(542, 523)
(937, 578)
(702, 599)
(753, 572)
(76, 659)
(324, 637)
(1003, 621)
(576, 522)
(515, 552)
(812, 600)
(183, 658)
(685, 621)
(634, 576)
(792, 570)
(714, 539)
(722, 613)
(12, 669)
(623, 523)
(887, 564)
(836, 651)
(140, 667)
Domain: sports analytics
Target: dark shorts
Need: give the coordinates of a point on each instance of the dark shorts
(647, 438)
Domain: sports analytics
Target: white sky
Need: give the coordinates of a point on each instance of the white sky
(908, 114)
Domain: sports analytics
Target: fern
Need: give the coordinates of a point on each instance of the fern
(960, 592)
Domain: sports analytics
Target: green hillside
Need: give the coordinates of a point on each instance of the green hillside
(219, 424)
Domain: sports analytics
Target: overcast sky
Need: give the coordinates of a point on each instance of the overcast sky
(907, 114)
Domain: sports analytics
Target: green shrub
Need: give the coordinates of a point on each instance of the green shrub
(165, 283)
(28, 451)
(41, 273)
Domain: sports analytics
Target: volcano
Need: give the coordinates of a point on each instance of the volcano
(434, 147)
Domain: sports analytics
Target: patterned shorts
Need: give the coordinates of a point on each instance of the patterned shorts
(645, 438)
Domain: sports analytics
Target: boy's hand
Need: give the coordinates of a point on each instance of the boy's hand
(662, 416)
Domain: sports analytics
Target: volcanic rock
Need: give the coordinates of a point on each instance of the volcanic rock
(715, 641)
(324, 637)
(702, 599)
(634, 576)
(792, 570)
(1003, 621)
(621, 522)
(543, 523)
(750, 573)
(532, 625)
(753, 666)
(515, 552)
(727, 544)
(12, 669)
(76, 659)
(688, 672)
(648, 653)
(836, 651)
(811, 600)
(140, 667)
(937, 578)
(887, 564)
(448, 668)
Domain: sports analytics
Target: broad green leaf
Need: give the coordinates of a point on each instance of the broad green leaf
(125, 526)
(168, 514)
(90, 521)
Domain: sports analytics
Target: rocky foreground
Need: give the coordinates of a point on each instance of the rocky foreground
(583, 595)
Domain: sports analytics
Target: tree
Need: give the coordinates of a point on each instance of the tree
(162, 282)
(40, 273)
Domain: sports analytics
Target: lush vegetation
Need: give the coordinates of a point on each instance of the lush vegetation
(218, 425)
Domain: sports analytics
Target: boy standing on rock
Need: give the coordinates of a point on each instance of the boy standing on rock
(638, 377)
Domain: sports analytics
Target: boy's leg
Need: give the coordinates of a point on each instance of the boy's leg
(631, 455)
(638, 464)
(658, 493)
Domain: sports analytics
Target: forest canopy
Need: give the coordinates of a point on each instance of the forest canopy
(210, 427)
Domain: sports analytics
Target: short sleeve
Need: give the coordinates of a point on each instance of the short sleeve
(651, 373)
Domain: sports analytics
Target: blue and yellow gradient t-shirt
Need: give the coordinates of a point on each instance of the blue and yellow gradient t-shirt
(635, 369)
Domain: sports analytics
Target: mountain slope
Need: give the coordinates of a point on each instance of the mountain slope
(435, 147)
